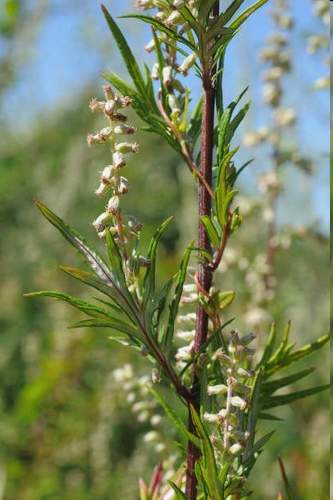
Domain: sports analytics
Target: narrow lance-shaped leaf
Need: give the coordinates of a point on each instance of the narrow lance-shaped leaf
(177, 421)
(126, 52)
(158, 25)
(209, 467)
(269, 346)
(149, 283)
(275, 385)
(174, 306)
(247, 13)
(82, 305)
(290, 398)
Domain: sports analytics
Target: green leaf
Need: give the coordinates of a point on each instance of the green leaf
(96, 263)
(178, 492)
(247, 13)
(174, 306)
(117, 325)
(115, 259)
(230, 11)
(90, 280)
(268, 416)
(256, 450)
(177, 421)
(158, 25)
(214, 236)
(234, 124)
(254, 410)
(204, 10)
(275, 385)
(82, 305)
(224, 299)
(149, 283)
(126, 52)
(275, 401)
(269, 346)
(208, 465)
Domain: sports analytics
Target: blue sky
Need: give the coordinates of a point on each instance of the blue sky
(73, 47)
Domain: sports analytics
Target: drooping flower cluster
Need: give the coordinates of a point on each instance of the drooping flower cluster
(142, 404)
(172, 71)
(232, 398)
(320, 42)
(112, 182)
(259, 272)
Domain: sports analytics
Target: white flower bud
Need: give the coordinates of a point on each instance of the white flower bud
(123, 129)
(211, 417)
(96, 105)
(187, 64)
(126, 147)
(113, 205)
(102, 220)
(238, 402)
(167, 75)
(187, 336)
(118, 160)
(150, 436)
(174, 19)
(284, 117)
(122, 187)
(155, 420)
(155, 72)
(213, 390)
(150, 47)
(108, 92)
(235, 449)
(160, 447)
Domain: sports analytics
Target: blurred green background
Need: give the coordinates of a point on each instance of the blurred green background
(65, 431)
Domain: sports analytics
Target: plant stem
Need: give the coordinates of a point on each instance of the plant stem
(204, 275)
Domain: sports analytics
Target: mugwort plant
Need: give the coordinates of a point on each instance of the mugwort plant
(182, 328)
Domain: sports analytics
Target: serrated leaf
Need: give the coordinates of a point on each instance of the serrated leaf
(125, 51)
(177, 421)
(247, 13)
(275, 401)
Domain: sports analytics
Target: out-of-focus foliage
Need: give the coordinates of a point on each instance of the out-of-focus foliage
(65, 429)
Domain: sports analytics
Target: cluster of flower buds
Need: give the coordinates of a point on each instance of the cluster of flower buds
(112, 182)
(234, 393)
(141, 403)
(170, 73)
(320, 42)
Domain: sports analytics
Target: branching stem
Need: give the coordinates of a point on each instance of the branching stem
(204, 274)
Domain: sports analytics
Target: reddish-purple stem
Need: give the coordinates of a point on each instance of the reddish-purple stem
(204, 275)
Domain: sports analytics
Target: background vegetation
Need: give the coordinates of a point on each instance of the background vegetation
(65, 430)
